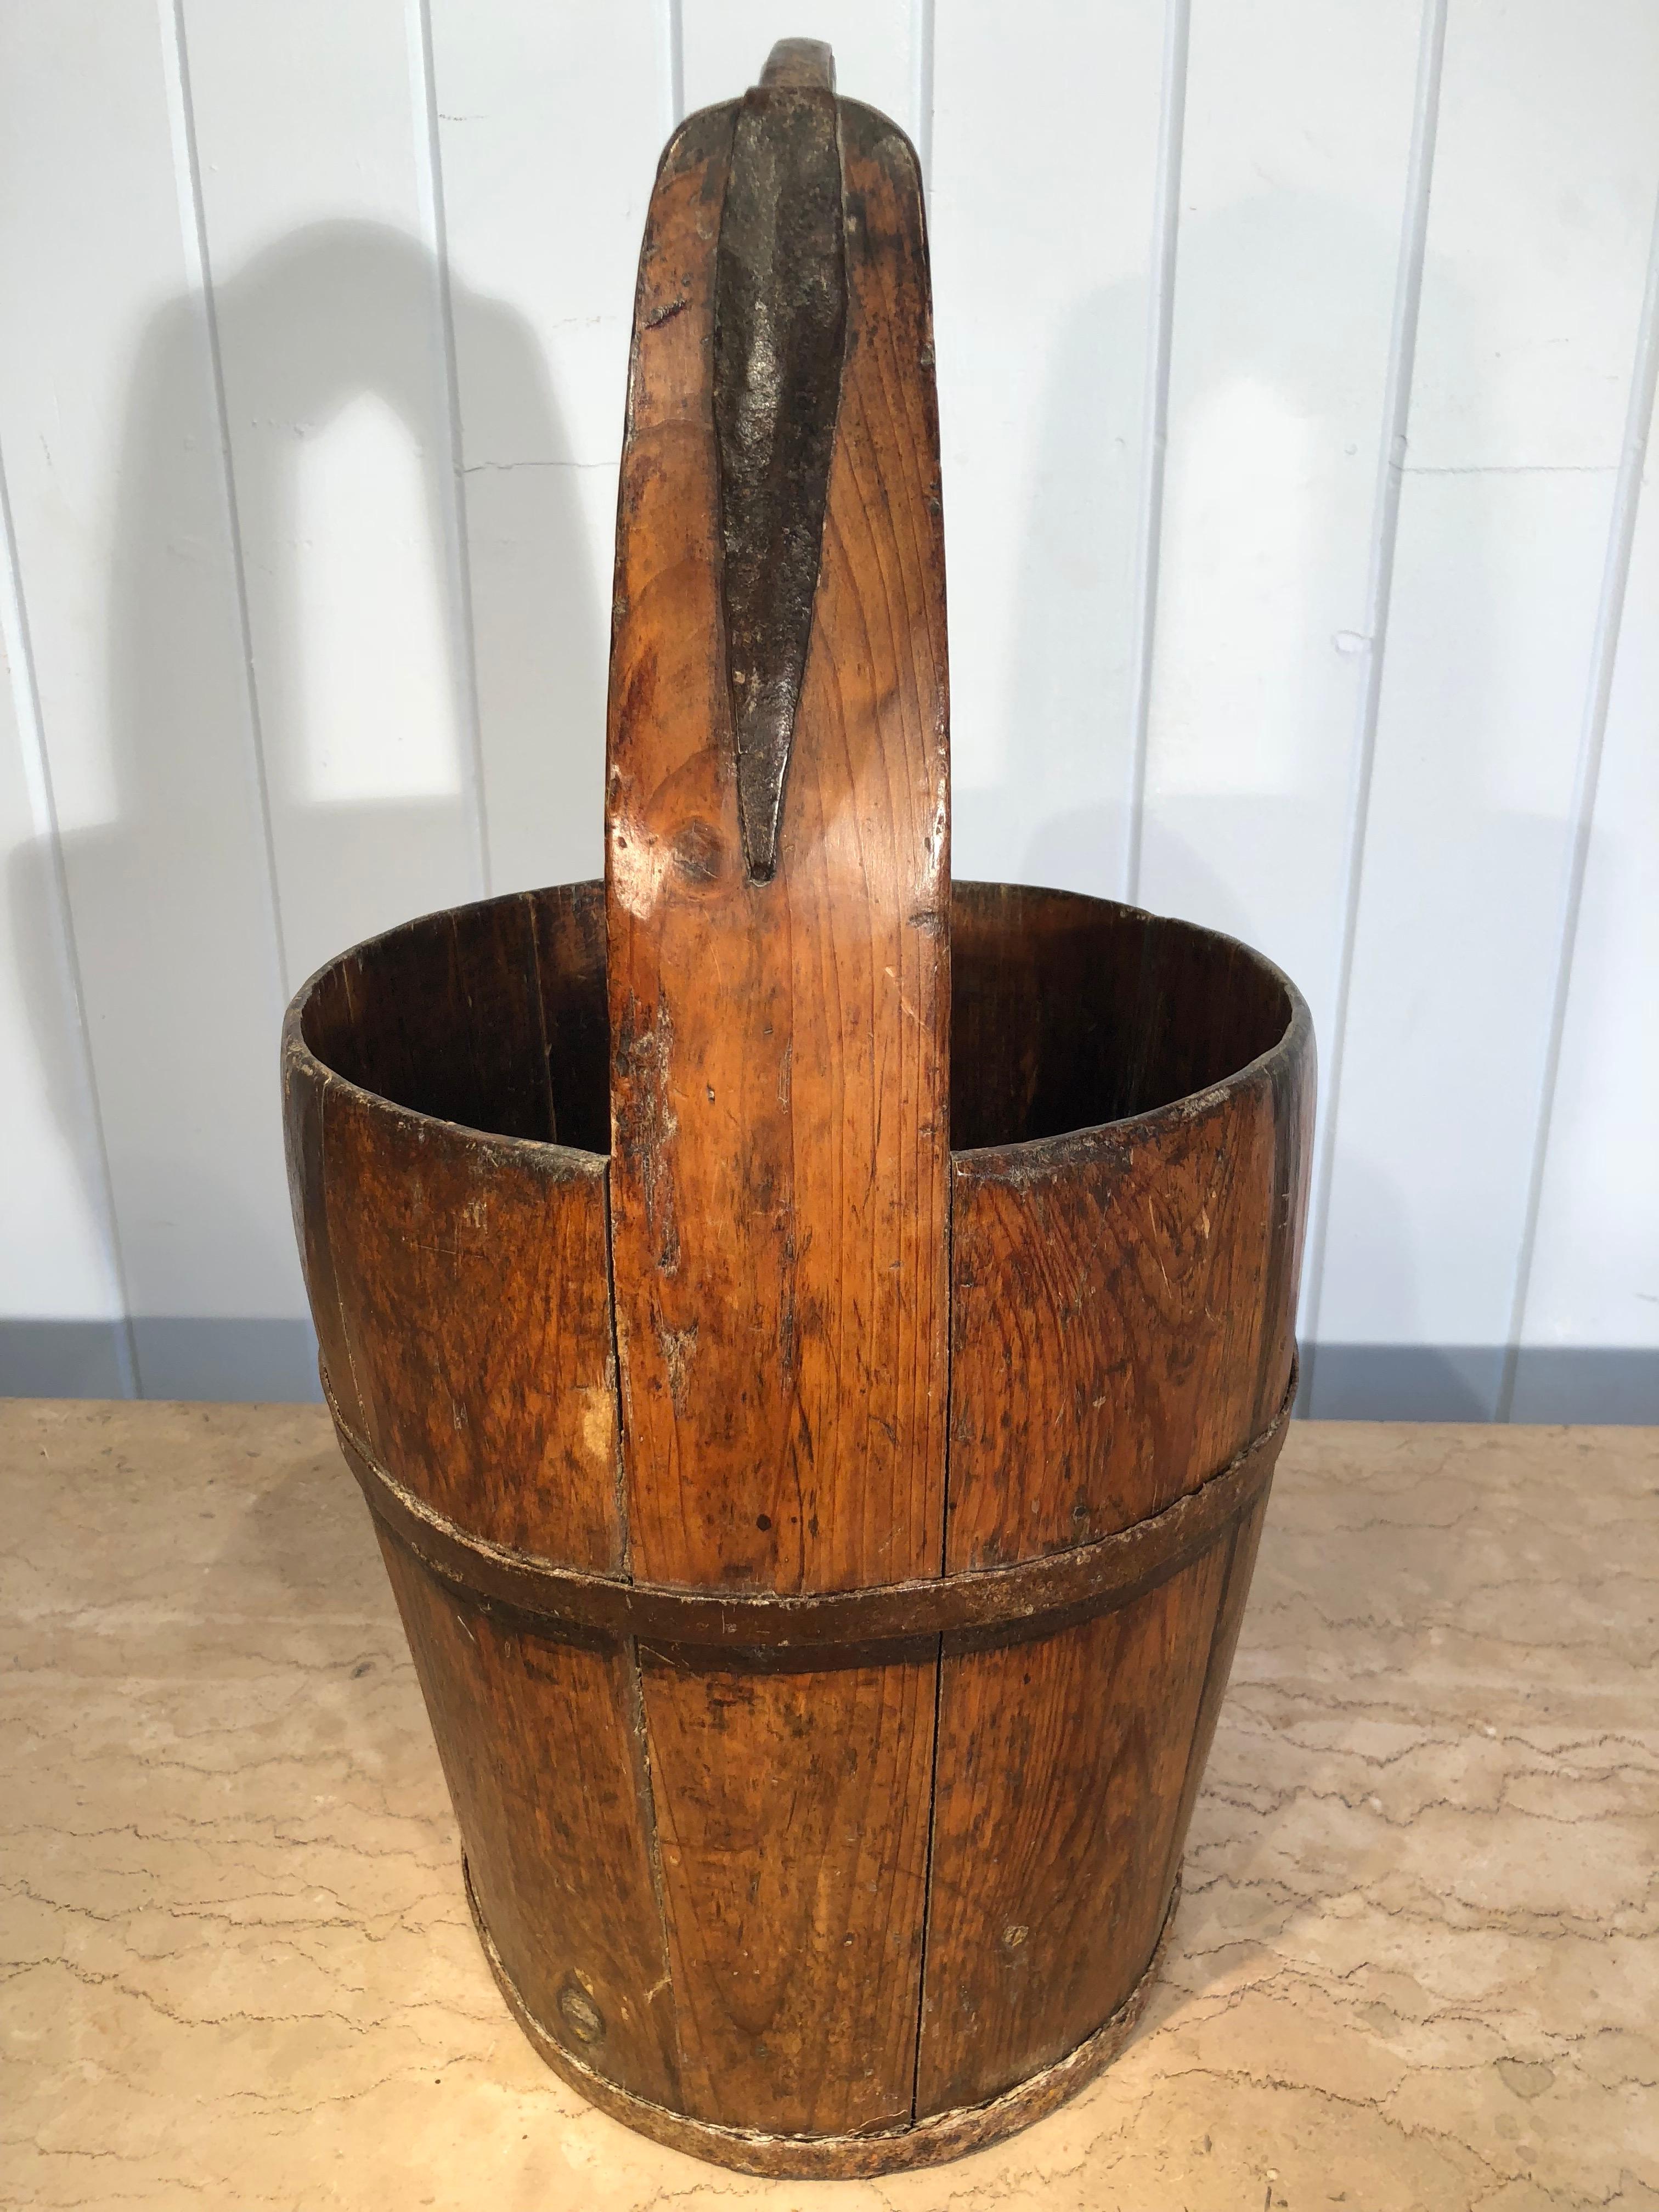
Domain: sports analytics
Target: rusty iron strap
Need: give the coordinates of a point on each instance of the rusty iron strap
(979, 1608)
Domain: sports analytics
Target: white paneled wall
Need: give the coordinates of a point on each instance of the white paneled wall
(1297, 367)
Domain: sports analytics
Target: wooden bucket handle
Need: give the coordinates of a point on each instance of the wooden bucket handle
(777, 868)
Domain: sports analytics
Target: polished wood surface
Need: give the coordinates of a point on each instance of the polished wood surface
(792, 1821)
(780, 1059)
(1123, 1272)
(814, 1341)
(780, 1151)
(1070, 1752)
(458, 1277)
(562, 1874)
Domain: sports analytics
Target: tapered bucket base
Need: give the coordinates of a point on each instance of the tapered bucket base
(931, 2141)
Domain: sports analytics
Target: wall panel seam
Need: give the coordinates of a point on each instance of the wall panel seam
(922, 45)
(1604, 654)
(31, 728)
(673, 38)
(1390, 477)
(457, 551)
(193, 221)
(1166, 225)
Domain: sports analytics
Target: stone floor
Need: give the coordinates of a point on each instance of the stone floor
(1416, 1963)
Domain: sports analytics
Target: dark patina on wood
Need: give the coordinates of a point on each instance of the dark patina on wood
(814, 1339)
(780, 332)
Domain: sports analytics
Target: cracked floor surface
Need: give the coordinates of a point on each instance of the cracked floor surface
(1416, 1964)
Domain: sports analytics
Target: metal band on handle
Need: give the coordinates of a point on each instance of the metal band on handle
(980, 1607)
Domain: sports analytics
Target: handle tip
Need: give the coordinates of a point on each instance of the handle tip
(799, 65)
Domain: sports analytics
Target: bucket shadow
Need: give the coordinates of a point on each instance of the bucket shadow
(163, 825)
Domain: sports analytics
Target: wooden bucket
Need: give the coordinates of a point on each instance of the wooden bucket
(814, 1341)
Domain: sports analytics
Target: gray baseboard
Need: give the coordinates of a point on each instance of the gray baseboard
(1399, 1382)
(1555, 1383)
(1459, 1382)
(61, 1359)
(275, 1361)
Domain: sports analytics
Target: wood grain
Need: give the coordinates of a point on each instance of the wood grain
(780, 1129)
(501, 1413)
(562, 1876)
(1060, 1765)
(779, 1091)
(568, 925)
(1122, 1321)
(1240, 1557)
(460, 1279)
(792, 1811)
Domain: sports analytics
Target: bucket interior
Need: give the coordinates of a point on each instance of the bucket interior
(1066, 1012)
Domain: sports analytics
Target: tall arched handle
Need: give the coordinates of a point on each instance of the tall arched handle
(777, 818)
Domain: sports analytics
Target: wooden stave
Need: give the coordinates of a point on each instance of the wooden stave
(970, 1609)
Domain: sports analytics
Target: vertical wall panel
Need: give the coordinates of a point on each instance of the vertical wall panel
(109, 421)
(1538, 226)
(1299, 126)
(550, 121)
(1045, 140)
(1590, 1337)
(60, 1295)
(311, 129)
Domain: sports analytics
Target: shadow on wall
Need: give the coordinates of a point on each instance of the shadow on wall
(166, 870)
(1271, 730)
(165, 866)
(1244, 788)
(1256, 701)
